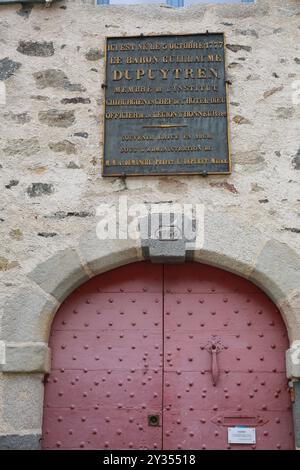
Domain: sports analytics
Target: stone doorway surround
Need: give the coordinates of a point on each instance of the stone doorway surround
(28, 315)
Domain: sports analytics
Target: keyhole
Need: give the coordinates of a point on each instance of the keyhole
(153, 420)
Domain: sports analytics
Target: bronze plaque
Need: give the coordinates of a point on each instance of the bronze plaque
(166, 106)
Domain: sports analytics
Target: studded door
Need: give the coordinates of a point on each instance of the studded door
(106, 376)
(166, 357)
(225, 345)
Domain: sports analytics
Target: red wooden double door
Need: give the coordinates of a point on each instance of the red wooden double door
(167, 357)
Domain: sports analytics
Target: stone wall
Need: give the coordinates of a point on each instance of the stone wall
(52, 67)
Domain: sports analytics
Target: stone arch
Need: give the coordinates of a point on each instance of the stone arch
(228, 245)
(28, 315)
(105, 351)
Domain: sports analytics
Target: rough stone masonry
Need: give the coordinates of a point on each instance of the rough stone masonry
(52, 67)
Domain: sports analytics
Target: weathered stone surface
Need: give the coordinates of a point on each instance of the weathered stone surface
(228, 245)
(256, 188)
(8, 67)
(64, 215)
(51, 78)
(55, 78)
(2, 353)
(47, 234)
(39, 97)
(289, 10)
(57, 118)
(162, 237)
(290, 309)
(73, 166)
(11, 184)
(263, 201)
(6, 264)
(40, 189)
(277, 270)
(23, 401)
(241, 120)
(38, 170)
(166, 251)
(296, 160)
(257, 10)
(26, 357)
(285, 113)
(292, 229)
(36, 49)
(252, 157)
(272, 91)
(27, 316)
(25, 10)
(22, 147)
(247, 32)
(238, 47)
(60, 274)
(16, 234)
(94, 54)
(18, 118)
(82, 134)
(103, 255)
(64, 146)
(20, 441)
(74, 87)
(235, 65)
(293, 360)
(253, 77)
(224, 184)
(75, 100)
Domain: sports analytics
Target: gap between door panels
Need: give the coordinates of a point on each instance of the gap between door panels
(163, 356)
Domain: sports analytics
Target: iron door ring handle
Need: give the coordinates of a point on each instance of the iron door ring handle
(214, 346)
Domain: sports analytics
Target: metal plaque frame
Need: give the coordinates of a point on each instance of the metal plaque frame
(108, 135)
